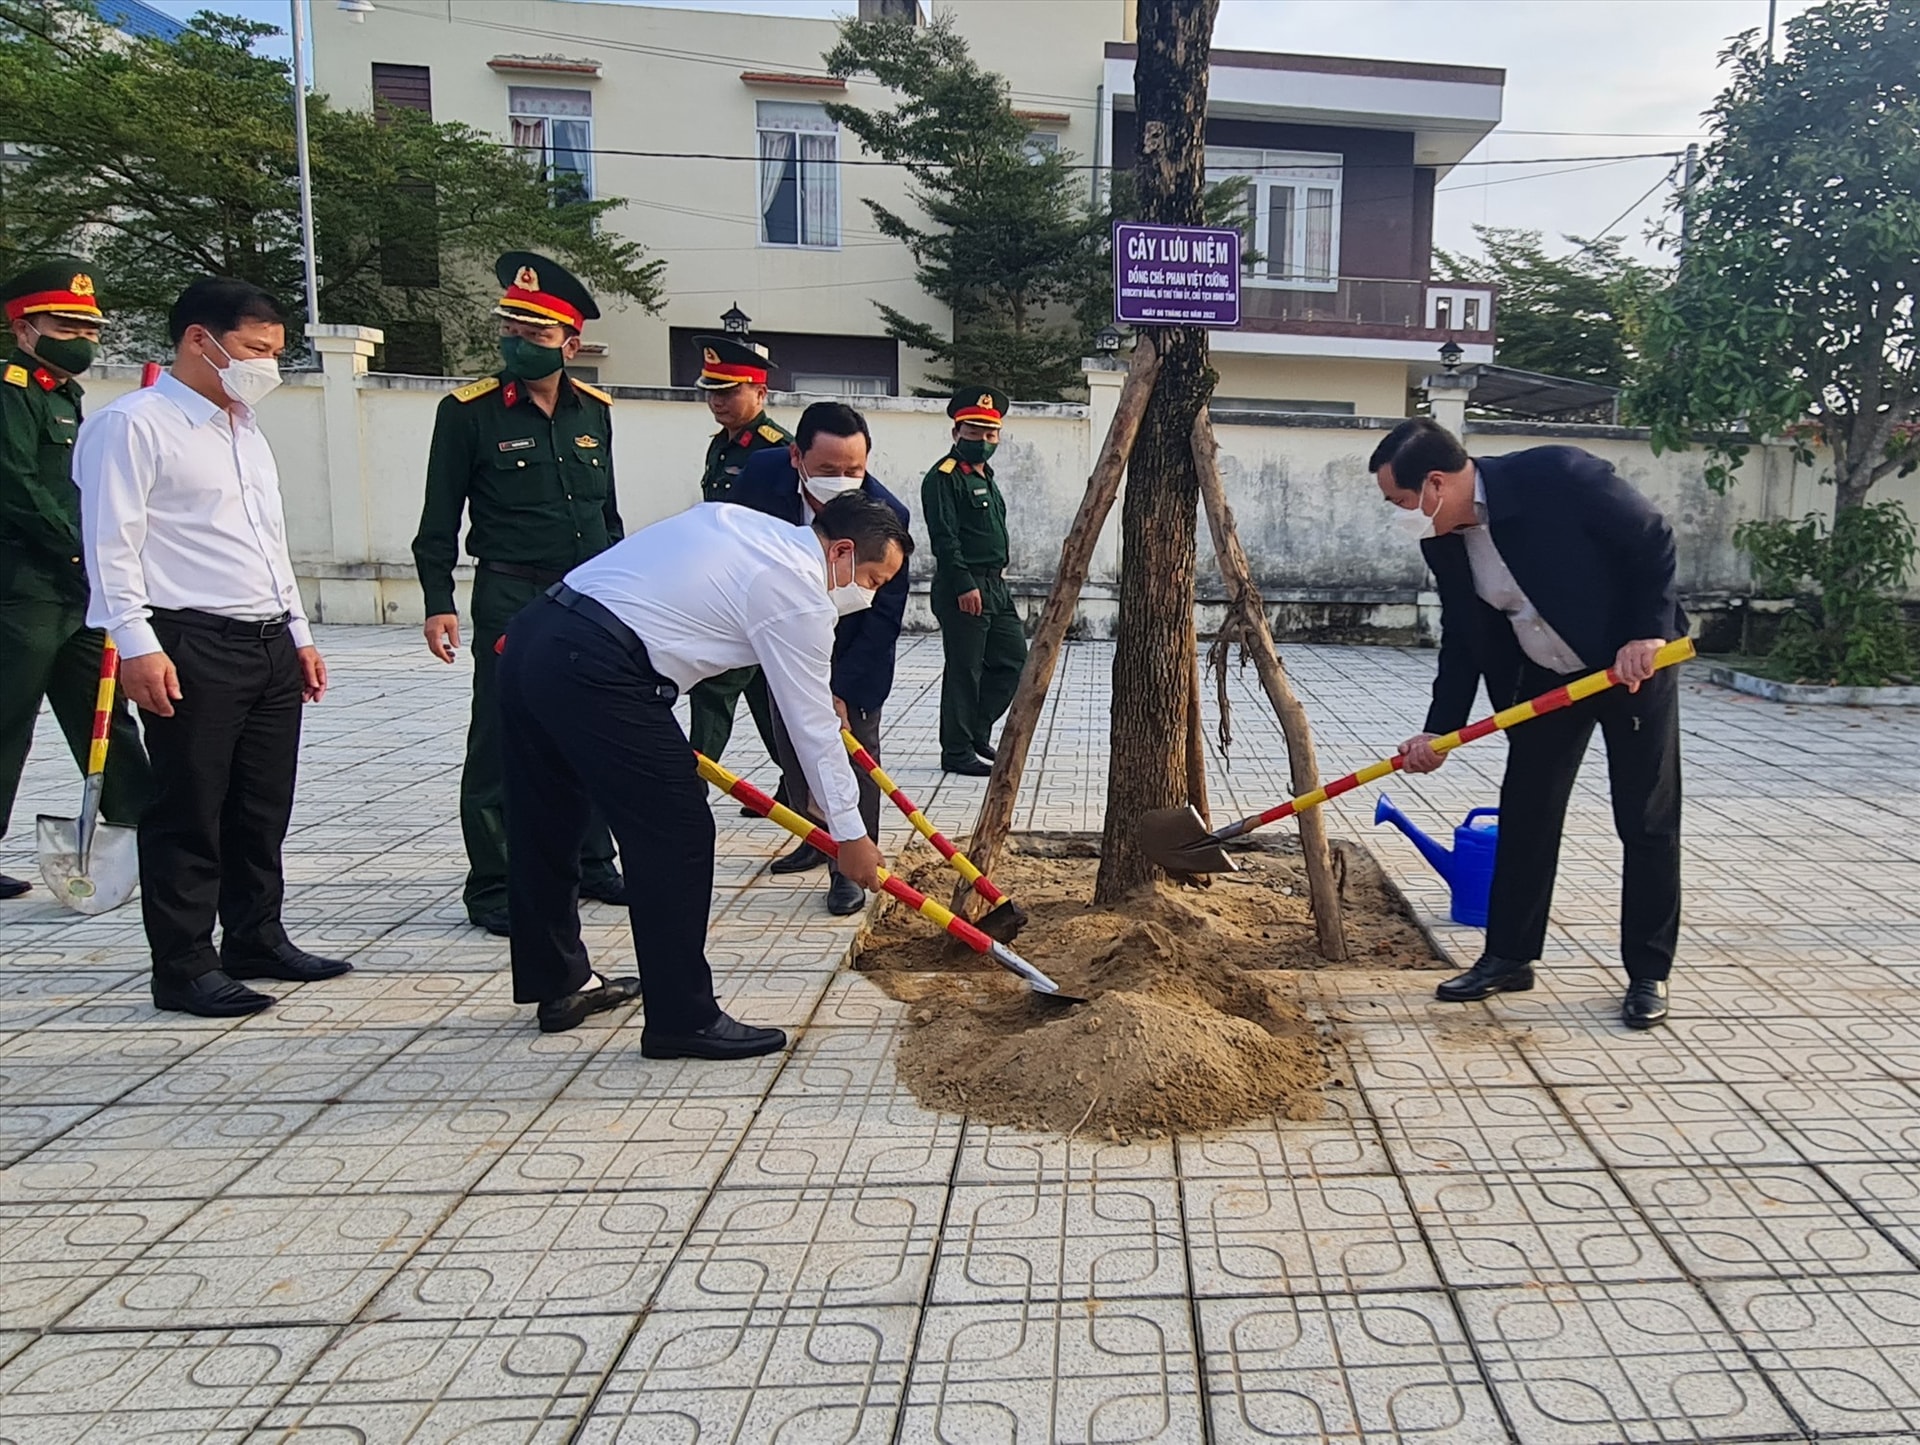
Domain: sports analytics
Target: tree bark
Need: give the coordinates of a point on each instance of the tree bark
(1153, 661)
(1043, 653)
(1323, 888)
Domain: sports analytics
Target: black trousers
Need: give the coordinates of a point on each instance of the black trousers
(585, 721)
(223, 775)
(865, 727)
(1642, 733)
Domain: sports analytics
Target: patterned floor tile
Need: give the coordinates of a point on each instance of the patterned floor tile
(410, 1148)
(1119, 1370)
(802, 1140)
(1343, 1139)
(1303, 1235)
(1476, 1130)
(757, 1375)
(129, 1151)
(1524, 1229)
(647, 1144)
(53, 1255)
(1842, 1123)
(1683, 1125)
(1088, 1239)
(1344, 1370)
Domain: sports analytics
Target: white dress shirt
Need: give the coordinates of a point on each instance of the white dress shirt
(722, 586)
(1493, 581)
(180, 509)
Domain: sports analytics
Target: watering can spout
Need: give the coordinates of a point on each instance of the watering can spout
(1441, 858)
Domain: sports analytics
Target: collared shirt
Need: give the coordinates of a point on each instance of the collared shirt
(1494, 583)
(180, 508)
(966, 520)
(718, 587)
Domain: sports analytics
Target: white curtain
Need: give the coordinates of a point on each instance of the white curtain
(530, 139)
(776, 151)
(1319, 234)
(819, 191)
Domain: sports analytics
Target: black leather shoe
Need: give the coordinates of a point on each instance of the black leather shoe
(611, 889)
(845, 897)
(1488, 976)
(212, 996)
(289, 965)
(986, 751)
(802, 859)
(1645, 1004)
(558, 1015)
(725, 1038)
(13, 887)
(971, 768)
(494, 923)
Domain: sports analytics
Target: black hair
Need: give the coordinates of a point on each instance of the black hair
(1392, 442)
(868, 523)
(835, 418)
(1427, 447)
(222, 304)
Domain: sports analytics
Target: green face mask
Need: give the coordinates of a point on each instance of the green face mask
(528, 362)
(974, 453)
(71, 354)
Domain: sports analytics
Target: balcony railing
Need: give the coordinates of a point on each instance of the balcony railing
(1366, 305)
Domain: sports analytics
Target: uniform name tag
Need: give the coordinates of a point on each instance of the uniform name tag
(519, 444)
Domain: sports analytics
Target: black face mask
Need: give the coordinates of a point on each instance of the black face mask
(71, 354)
(974, 451)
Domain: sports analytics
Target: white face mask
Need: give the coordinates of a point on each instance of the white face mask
(825, 489)
(247, 382)
(849, 597)
(1414, 523)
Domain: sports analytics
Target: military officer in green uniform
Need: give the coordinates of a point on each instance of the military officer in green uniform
(527, 455)
(46, 647)
(733, 374)
(979, 630)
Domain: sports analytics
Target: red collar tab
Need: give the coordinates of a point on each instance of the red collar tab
(745, 437)
(510, 394)
(45, 378)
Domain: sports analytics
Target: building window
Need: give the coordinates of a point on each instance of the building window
(1471, 306)
(402, 87)
(553, 128)
(1040, 144)
(1294, 201)
(799, 175)
(815, 383)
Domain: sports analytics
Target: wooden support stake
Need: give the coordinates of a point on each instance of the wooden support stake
(1043, 653)
(1196, 745)
(1323, 889)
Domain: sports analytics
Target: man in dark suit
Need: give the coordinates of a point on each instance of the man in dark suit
(1550, 566)
(827, 457)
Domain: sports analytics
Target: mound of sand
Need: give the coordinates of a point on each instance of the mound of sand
(1192, 1020)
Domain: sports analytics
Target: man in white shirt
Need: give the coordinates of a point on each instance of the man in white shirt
(587, 683)
(186, 550)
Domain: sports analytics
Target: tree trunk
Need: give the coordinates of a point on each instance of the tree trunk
(1323, 888)
(1043, 654)
(1153, 660)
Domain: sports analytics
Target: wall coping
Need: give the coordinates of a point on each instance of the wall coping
(787, 400)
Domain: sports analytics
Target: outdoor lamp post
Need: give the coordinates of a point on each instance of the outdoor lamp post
(1450, 354)
(734, 321)
(357, 10)
(299, 33)
(1106, 341)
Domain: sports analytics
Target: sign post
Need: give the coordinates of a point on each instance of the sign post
(1176, 275)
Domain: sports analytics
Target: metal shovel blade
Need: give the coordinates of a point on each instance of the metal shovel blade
(1003, 922)
(102, 880)
(1179, 842)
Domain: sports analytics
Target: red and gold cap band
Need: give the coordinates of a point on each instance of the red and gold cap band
(63, 303)
(727, 373)
(982, 411)
(541, 306)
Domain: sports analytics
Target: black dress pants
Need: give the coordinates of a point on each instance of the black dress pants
(586, 721)
(865, 727)
(223, 776)
(1642, 733)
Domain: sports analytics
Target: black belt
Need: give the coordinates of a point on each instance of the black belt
(226, 626)
(602, 616)
(539, 576)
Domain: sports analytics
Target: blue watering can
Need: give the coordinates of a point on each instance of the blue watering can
(1468, 869)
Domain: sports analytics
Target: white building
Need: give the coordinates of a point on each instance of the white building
(711, 125)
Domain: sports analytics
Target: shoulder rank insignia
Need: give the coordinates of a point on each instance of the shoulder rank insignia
(947, 466)
(585, 442)
(16, 375)
(772, 433)
(474, 390)
(593, 391)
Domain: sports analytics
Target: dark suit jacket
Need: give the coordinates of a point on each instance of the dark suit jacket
(1592, 555)
(864, 642)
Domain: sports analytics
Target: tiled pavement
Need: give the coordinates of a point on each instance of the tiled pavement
(389, 1210)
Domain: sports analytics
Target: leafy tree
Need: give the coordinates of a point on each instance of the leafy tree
(1574, 315)
(1007, 242)
(1793, 311)
(1847, 626)
(163, 161)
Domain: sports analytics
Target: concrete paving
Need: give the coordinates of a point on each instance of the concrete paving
(389, 1210)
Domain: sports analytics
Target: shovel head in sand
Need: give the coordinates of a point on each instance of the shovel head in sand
(91, 866)
(1177, 840)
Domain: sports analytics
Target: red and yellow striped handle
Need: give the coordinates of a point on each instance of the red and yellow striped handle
(942, 845)
(103, 709)
(739, 789)
(1520, 712)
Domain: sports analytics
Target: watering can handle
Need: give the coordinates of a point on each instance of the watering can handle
(1467, 822)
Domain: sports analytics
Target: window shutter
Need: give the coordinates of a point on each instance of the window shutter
(402, 87)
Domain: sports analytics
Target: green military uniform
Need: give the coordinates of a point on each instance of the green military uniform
(46, 648)
(538, 495)
(712, 701)
(967, 525)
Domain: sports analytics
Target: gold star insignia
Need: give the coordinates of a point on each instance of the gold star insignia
(81, 286)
